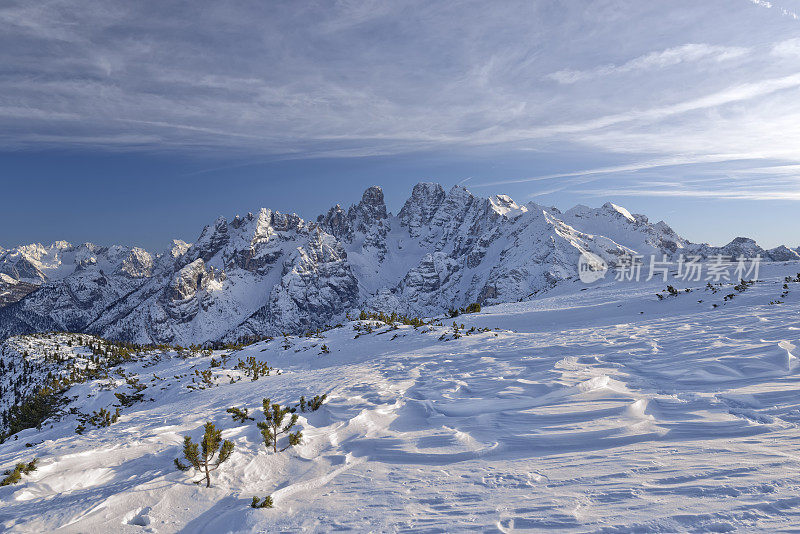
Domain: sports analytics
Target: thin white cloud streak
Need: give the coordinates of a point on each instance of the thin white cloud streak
(617, 169)
(791, 169)
(696, 193)
(729, 95)
(654, 60)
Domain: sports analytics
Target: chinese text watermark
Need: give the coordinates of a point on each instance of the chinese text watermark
(637, 268)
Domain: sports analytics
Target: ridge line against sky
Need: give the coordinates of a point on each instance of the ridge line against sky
(647, 103)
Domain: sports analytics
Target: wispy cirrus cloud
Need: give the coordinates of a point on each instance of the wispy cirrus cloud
(360, 79)
(746, 193)
(584, 98)
(672, 161)
(789, 48)
(654, 60)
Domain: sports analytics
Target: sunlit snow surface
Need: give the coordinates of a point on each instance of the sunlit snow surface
(596, 410)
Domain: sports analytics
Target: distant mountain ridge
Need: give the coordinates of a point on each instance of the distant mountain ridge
(268, 273)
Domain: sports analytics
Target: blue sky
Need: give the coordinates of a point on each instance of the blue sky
(137, 122)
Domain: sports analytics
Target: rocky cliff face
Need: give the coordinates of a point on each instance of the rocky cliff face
(255, 275)
(267, 273)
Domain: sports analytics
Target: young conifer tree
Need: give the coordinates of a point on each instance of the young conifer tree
(266, 503)
(239, 415)
(274, 426)
(201, 457)
(14, 476)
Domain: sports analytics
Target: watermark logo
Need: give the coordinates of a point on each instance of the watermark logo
(636, 268)
(591, 268)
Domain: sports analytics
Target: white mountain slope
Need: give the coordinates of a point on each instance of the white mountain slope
(93, 279)
(271, 273)
(633, 231)
(37, 263)
(598, 410)
(266, 266)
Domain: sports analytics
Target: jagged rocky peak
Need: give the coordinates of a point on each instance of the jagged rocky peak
(457, 202)
(268, 272)
(505, 205)
(178, 248)
(533, 207)
(615, 209)
(370, 210)
(740, 246)
(284, 222)
(316, 285)
(630, 230)
(34, 262)
(366, 222)
(238, 242)
(336, 222)
(187, 281)
(743, 243)
(783, 253)
(212, 239)
(426, 198)
(138, 264)
(608, 210)
(250, 230)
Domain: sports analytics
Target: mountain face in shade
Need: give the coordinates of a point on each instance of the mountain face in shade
(269, 273)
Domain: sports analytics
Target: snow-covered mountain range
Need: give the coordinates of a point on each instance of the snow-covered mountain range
(268, 273)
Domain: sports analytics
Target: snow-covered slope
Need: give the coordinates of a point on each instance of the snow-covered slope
(257, 275)
(270, 273)
(602, 409)
(13, 290)
(633, 231)
(37, 264)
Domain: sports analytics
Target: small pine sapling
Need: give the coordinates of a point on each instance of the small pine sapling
(316, 403)
(473, 308)
(201, 457)
(266, 503)
(273, 427)
(239, 415)
(14, 475)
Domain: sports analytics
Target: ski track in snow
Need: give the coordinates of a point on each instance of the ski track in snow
(579, 414)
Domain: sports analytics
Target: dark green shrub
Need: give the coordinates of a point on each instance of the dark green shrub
(201, 457)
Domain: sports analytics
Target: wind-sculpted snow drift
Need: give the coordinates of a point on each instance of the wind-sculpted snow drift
(268, 273)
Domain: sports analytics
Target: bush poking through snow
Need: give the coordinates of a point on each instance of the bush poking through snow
(33, 411)
(671, 292)
(473, 308)
(274, 426)
(390, 319)
(129, 400)
(100, 419)
(14, 475)
(313, 405)
(316, 403)
(201, 457)
(266, 503)
(253, 368)
(239, 415)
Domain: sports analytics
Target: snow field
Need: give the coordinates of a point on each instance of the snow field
(575, 412)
